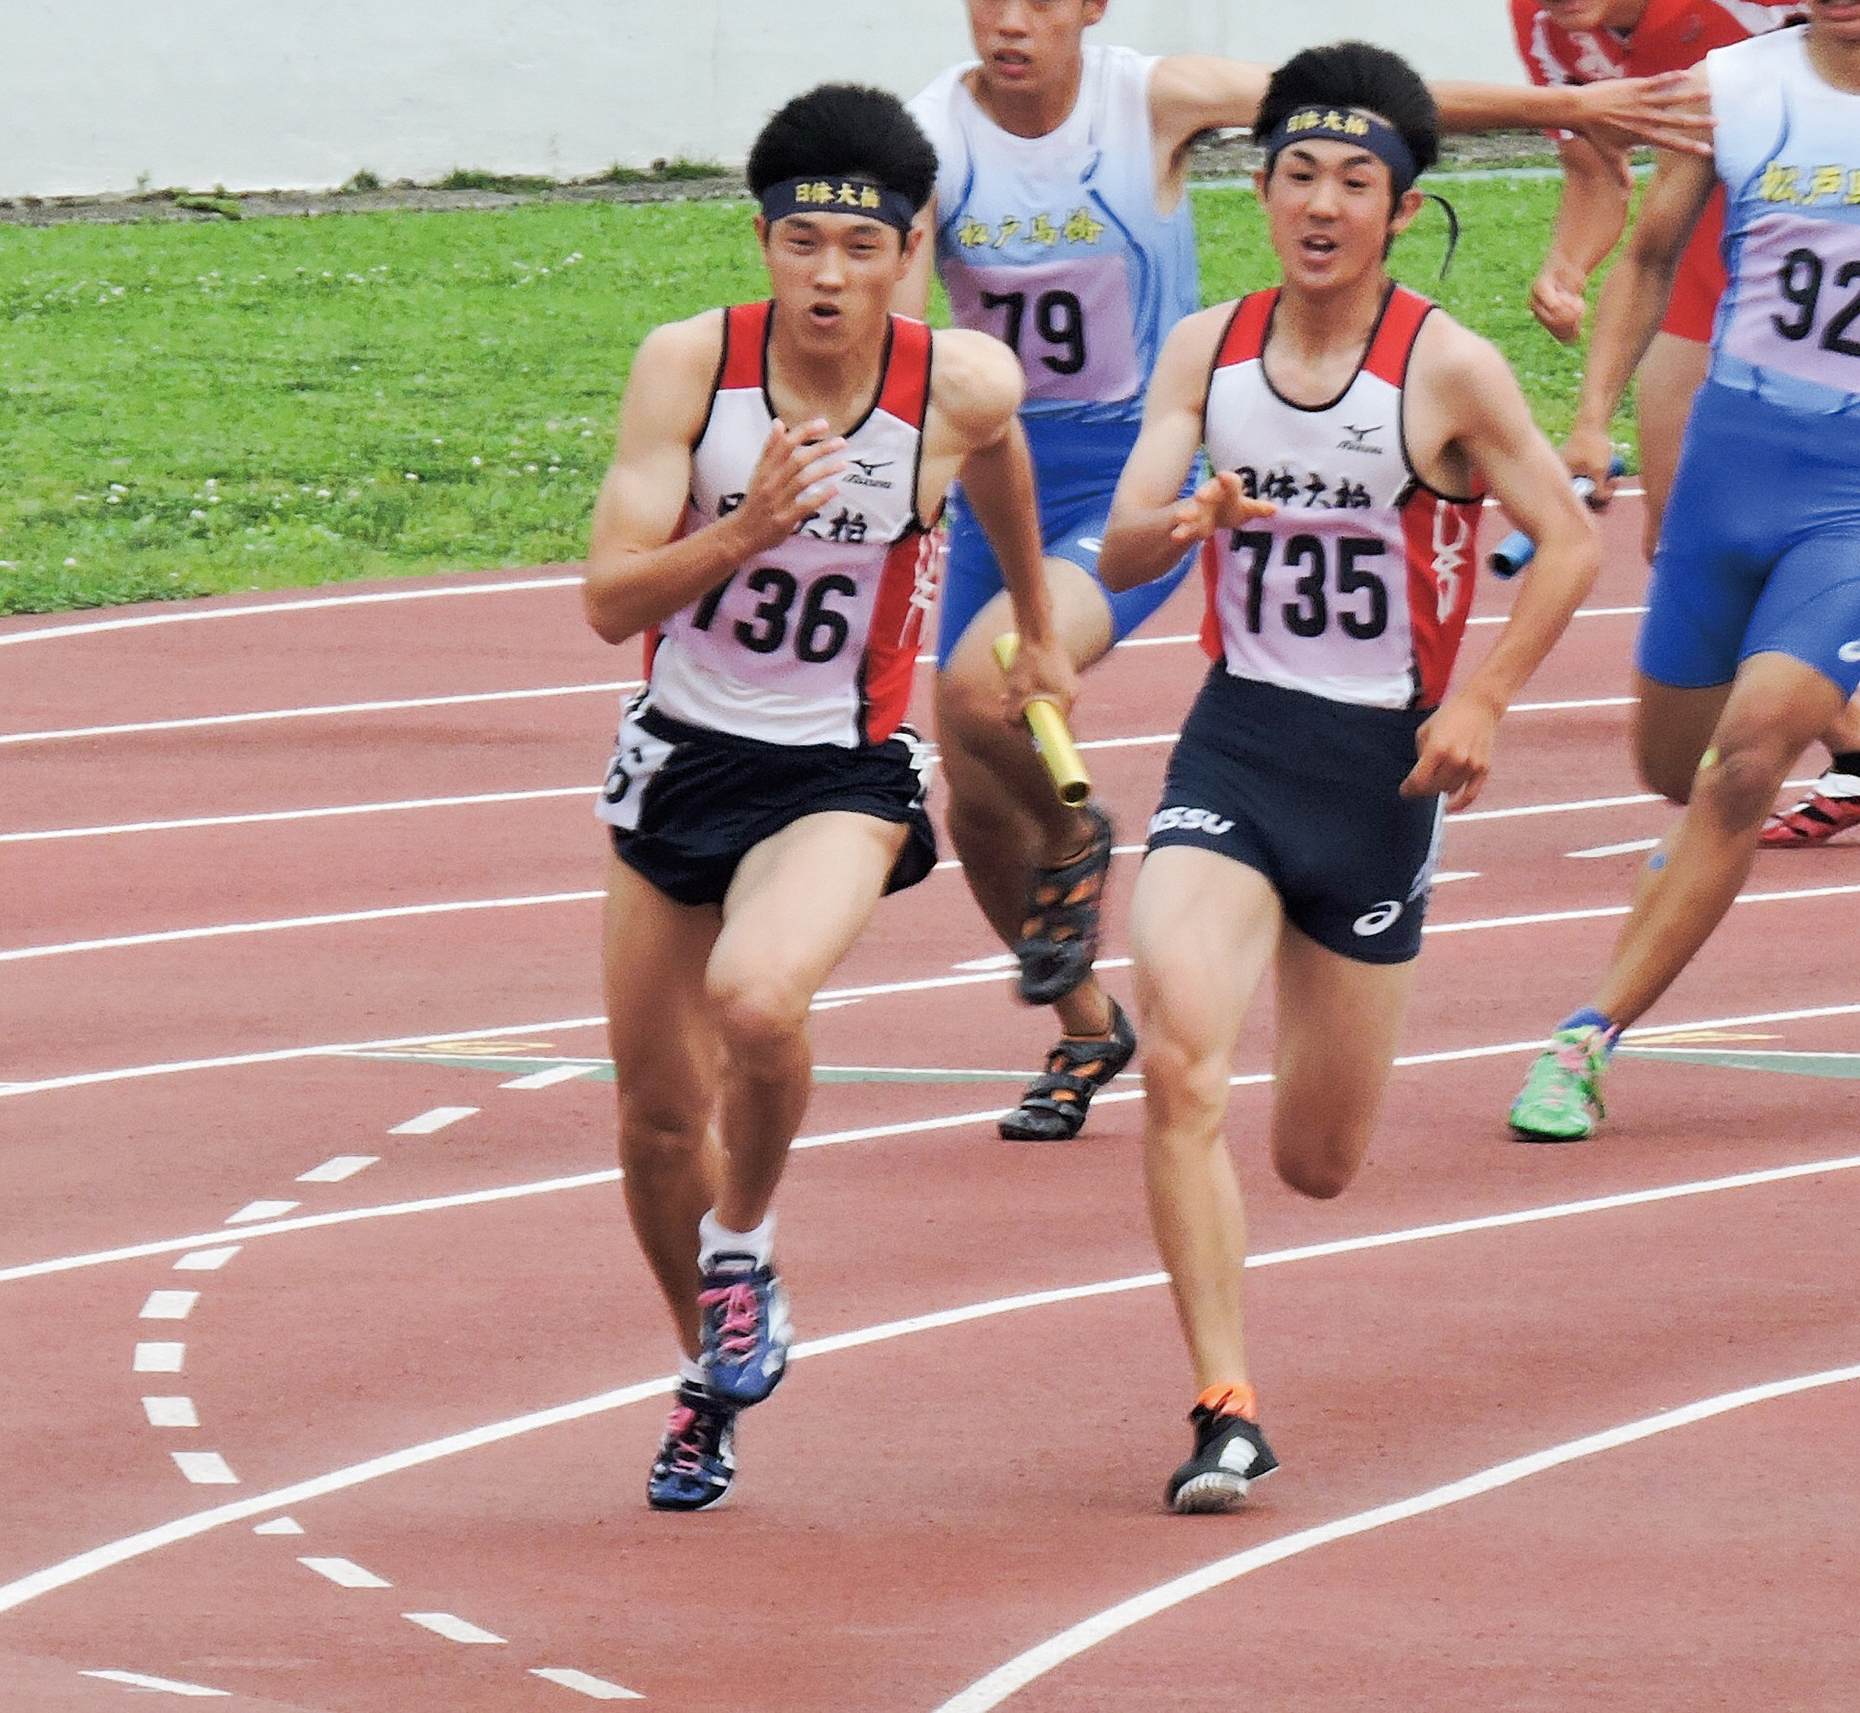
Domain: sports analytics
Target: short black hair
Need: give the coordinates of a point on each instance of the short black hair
(1355, 74)
(845, 130)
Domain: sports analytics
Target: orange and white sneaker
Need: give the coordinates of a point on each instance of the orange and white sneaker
(1831, 807)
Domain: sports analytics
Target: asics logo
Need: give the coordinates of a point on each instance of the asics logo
(1373, 922)
(1189, 821)
(1850, 651)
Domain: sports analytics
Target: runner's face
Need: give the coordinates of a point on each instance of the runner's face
(832, 276)
(1327, 204)
(1029, 46)
(1594, 14)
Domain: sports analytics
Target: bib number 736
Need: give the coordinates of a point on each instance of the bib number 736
(819, 631)
(1318, 602)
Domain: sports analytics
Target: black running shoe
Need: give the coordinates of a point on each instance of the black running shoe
(1054, 1106)
(1059, 936)
(697, 1458)
(1230, 1455)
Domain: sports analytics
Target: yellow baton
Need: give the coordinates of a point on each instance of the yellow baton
(1050, 736)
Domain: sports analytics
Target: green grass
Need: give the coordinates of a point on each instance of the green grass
(192, 409)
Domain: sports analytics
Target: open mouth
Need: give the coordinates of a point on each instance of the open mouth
(1011, 63)
(824, 314)
(1316, 245)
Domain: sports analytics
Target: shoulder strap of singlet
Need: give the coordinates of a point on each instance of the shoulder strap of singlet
(1393, 344)
(1245, 337)
(905, 393)
(745, 339)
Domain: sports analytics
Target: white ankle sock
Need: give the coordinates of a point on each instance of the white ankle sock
(715, 1238)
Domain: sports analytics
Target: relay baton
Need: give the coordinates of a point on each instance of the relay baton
(1050, 736)
(1517, 550)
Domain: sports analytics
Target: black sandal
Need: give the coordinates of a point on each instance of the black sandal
(1054, 1106)
(1059, 937)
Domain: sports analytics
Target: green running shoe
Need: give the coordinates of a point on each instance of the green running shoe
(1561, 1100)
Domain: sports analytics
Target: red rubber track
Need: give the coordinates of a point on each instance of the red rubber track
(921, 1507)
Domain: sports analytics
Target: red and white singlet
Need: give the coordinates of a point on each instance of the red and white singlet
(1358, 588)
(813, 641)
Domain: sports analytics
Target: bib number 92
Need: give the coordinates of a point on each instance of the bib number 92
(1800, 280)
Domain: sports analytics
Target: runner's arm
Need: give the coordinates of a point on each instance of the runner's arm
(1667, 111)
(639, 570)
(1590, 218)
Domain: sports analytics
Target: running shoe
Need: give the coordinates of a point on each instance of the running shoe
(1059, 935)
(1831, 806)
(1561, 1100)
(1230, 1455)
(1053, 1108)
(745, 1332)
(697, 1458)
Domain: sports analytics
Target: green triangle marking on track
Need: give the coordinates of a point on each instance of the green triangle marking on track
(1841, 1066)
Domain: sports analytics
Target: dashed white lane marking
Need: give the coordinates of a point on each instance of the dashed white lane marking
(171, 1412)
(1006, 1680)
(1626, 849)
(1603, 911)
(163, 1685)
(169, 1305)
(196, 615)
(160, 1358)
(555, 1074)
(454, 1629)
(206, 1260)
(279, 1526)
(256, 1210)
(205, 1468)
(330, 711)
(195, 822)
(344, 1573)
(828, 1139)
(38, 1583)
(595, 1688)
(336, 1170)
(435, 1119)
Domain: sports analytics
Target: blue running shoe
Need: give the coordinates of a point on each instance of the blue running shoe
(745, 1332)
(697, 1458)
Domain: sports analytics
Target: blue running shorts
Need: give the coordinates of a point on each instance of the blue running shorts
(1760, 549)
(1307, 791)
(1077, 465)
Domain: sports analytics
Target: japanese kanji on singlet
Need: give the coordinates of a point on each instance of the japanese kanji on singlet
(1333, 625)
(782, 691)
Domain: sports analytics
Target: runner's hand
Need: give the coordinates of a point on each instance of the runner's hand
(1455, 746)
(1042, 672)
(1558, 303)
(1671, 111)
(792, 480)
(1221, 502)
(1589, 452)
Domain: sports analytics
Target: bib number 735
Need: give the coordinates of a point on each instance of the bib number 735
(1319, 598)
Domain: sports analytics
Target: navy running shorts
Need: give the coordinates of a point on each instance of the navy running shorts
(1305, 790)
(1760, 547)
(686, 804)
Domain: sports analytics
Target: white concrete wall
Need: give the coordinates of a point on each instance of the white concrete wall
(103, 95)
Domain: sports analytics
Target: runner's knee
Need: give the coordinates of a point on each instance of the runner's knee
(1186, 1091)
(759, 1013)
(1737, 781)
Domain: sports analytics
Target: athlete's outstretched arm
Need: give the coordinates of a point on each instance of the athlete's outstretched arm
(1616, 113)
(1632, 305)
(1151, 526)
(637, 573)
(1473, 400)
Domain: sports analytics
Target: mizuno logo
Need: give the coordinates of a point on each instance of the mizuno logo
(1358, 439)
(1850, 651)
(866, 478)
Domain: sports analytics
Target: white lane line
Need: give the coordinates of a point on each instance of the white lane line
(437, 1119)
(336, 1170)
(344, 1573)
(1602, 911)
(174, 936)
(595, 1688)
(332, 710)
(206, 1260)
(194, 822)
(38, 1583)
(205, 1468)
(170, 1412)
(1006, 1680)
(140, 1680)
(555, 1074)
(1626, 849)
(1581, 613)
(279, 1526)
(254, 1211)
(169, 1305)
(453, 1629)
(193, 615)
(828, 1139)
(160, 1358)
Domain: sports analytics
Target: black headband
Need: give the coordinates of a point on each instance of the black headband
(837, 196)
(1348, 125)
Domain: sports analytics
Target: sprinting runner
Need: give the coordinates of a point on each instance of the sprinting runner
(1751, 643)
(1062, 225)
(765, 524)
(1353, 429)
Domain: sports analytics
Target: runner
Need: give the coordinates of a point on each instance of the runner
(1353, 428)
(1751, 643)
(1062, 224)
(765, 524)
